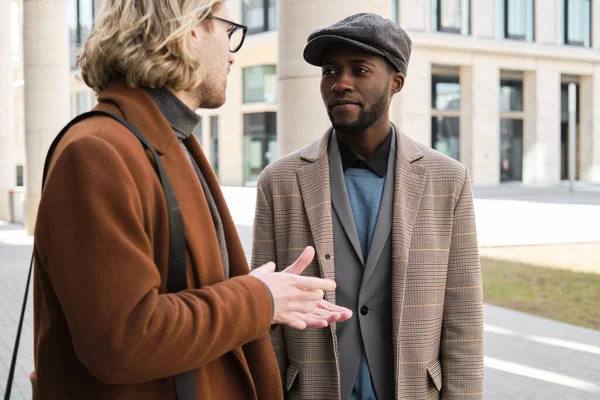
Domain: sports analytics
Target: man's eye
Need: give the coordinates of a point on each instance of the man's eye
(328, 71)
(362, 70)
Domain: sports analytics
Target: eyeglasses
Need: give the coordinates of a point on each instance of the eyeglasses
(237, 33)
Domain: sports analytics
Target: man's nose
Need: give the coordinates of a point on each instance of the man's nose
(343, 83)
(231, 59)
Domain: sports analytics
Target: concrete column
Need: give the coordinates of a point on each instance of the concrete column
(415, 15)
(411, 108)
(541, 133)
(546, 32)
(480, 121)
(7, 111)
(231, 125)
(596, 24)
(302, 117)
(589, 145)
(46, 58)
(483, 18)
(97, 6)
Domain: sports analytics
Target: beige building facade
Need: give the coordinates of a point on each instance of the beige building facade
(486, 84)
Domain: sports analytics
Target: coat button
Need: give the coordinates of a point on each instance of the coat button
(364, 310)
(327, 256)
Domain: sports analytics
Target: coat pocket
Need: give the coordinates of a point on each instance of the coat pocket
(290, 376)
(435, 373)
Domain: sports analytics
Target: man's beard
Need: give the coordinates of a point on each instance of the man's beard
(211, 96)
(365, 118)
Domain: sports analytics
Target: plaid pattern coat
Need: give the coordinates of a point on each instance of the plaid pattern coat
(437, 309)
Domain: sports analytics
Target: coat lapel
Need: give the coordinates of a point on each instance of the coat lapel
(383, 226)
(315, 189)
(409, 187)
(339, 197)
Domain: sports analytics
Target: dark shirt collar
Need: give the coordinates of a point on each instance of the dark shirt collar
(182, 119)
(377, 162)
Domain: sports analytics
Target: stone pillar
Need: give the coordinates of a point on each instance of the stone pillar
(415, 15)
(480, 121)
(302, 117)
(46, 59)
(483, 19)
(231, 126)
(97, 6)
(596, 24)
(7, 111)
(541, 133)
(589, 145)
(548, 31)
(411, 108)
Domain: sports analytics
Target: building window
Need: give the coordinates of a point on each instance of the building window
(198, 131)
(394, 10)
(519, 19)
(445, 114)
(214, 143)
(577, 22)
(260, 144)
(260, 84)
(564, 129)
(259, 16)
(20, 176)
(511, 130)
(452, 16)
(81, 22)
(83, 104)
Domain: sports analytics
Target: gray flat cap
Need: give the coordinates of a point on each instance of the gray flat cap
(369, 32)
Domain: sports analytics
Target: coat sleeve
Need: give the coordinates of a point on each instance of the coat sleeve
(462, 326)
(264, 251)
(92, 241)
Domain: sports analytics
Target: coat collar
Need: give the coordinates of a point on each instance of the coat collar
(136, 106)
(407, 149)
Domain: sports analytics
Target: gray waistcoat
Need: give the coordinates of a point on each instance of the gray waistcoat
(363, 284)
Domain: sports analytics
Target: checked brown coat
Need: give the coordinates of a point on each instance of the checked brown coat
(437, 310)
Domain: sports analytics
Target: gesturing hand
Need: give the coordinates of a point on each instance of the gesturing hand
(299, 300)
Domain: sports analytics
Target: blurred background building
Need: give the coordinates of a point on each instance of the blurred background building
(487, 85)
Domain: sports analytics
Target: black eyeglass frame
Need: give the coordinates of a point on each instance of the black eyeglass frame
(235, 28)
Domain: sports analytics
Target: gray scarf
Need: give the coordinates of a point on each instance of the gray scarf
(183, 121)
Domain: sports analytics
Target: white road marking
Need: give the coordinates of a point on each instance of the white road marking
(541, 375)
(566, 344)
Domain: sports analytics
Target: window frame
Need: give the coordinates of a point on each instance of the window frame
(265, 26)
(512, 115)
(263, 68)
(566, 39)
(507, 34)
(449, 113)
(441, 28)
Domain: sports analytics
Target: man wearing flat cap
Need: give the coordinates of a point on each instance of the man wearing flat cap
(392, 222)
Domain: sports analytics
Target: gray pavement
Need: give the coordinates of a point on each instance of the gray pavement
(527, 357)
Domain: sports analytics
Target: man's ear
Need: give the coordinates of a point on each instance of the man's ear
(397, 82)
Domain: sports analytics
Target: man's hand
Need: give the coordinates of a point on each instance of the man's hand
(299, 300)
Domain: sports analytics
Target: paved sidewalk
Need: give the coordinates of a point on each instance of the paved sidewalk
(15, 253)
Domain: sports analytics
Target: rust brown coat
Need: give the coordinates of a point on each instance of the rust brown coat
(104, 327)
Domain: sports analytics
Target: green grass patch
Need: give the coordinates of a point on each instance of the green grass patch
(572, 297)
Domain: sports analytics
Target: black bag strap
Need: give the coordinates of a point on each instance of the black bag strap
(185, 383)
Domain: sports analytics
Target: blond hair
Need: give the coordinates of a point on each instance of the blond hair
(146, 42)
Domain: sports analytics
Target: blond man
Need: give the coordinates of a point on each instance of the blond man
(105, 326)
